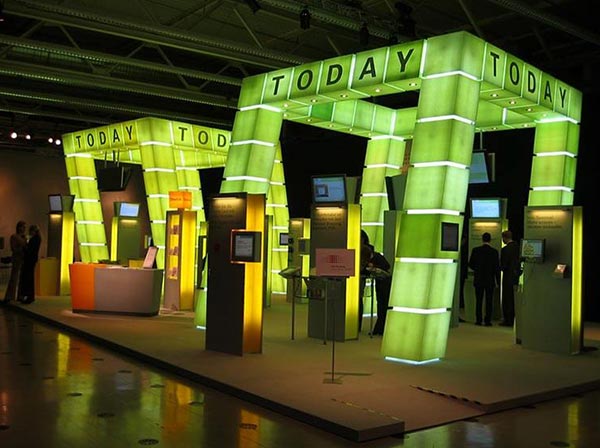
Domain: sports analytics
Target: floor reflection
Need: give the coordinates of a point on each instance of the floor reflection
(57, 390)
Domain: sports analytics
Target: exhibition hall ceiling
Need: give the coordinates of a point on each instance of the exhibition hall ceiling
(67, 65)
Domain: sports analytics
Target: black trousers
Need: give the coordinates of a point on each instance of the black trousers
(480, 291)
(508, 300)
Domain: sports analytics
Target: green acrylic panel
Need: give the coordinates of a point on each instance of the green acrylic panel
(514, 75)
(517, 121)
(84, 188)
(493, 68)
(231, 186)
(489, 115)
(438, 187)
(420, 236)
(277, 87)
(556, 197)
(154, 208)
(450, 95)
(459, 51)
(335, 76)
(252, 91)
(446, 140)
(384, 120)
(377, 152)
(322, 112)
(84, 252)
(91, 211)
(562, 98)
(404, 65)
(260, 162)
(424, 285)
(98, 253)
(575, 104)
(548, 92)
(211, 139)
(305, 83)
(405, 122)
(415, 337)
(84, 166)
(364, 116)
(532, 84)
(553, 171)
(257, 124)
(183, 134)
(369, 68)
(237, 161)
(344, 111)
(557, 136)
(151, 182)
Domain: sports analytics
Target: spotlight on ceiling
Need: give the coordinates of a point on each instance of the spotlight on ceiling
(50, 140)
(27, 136)
(1, 10)
(57, 142)
(253, 5)
(363, 35)
(305, 18)
(13, 135)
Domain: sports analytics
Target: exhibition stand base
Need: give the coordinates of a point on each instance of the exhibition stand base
(483, 372)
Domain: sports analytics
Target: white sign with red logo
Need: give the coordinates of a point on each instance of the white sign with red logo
(335, 263)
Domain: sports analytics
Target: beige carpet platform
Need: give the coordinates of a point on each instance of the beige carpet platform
(484, 371)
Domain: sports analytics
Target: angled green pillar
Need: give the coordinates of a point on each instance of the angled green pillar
(554, 163)
(384, 158)
(277, 206)
(424, 274)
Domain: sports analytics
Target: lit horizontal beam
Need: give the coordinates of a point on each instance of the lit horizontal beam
(426, 260)
(432, 211)
(556, 119)
(410, 361)
(94, 244)
(374, 195)
(440, 163)
(388, 137)
(86, 200)
(404, 309)
(253, 142)
(89, 222)
(371, 224)
(555, 153)
(554, 188)
(250, 178)
(155, 143)
(446, 117)
(452, 73)
(383, 165)
(260, 106)
(82, 178)
(159, 170)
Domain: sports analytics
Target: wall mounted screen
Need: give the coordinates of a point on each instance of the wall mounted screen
(129, 210)
(55, 203)
(533, 250)
(329, 189)
(479, 170)
(485, 208)
(245, 246)
(449, 236)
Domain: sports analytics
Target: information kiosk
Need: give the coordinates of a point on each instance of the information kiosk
(126, 236)
(487, 215)
(54, 270)
(334, 224)
(549, 317)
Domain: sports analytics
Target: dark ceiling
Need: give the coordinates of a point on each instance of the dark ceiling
(67, 65)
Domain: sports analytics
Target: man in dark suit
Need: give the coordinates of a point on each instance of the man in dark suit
(484, 261)
(510, 263)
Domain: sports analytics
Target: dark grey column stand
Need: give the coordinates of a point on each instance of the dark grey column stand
(331, 380)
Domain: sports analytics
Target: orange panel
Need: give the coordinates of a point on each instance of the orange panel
(82, 285)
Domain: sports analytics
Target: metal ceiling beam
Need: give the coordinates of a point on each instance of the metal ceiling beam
(72, 78)
(108, 107)
(550, 20)
(94, 56)
(155, 34)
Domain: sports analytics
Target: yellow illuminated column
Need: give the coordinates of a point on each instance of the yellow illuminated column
(81, 172)
(66, 252)
(384, 158)
(436, 189)
(554, 163)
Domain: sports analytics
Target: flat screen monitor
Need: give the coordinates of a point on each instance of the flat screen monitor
(55, 203)
(113, 178)
(485, 208)
(150, 258)
(533, 250)
(450, 240)
(245, 246)
(329, 189)
(129, 210)
(284, 239)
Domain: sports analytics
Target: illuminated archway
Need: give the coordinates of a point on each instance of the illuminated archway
(465, 85)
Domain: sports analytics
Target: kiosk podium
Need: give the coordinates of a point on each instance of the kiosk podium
(126, 235)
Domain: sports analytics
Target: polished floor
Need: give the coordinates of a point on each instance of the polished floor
(57, 390)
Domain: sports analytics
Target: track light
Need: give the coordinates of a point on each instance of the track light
(363, 35)
(254, 5)
(305, 18)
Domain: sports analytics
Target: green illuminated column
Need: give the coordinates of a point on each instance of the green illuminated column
(81, 172)
(554, 163)
(384, 158)
(424, 273)
(252, 152)
(277, 206)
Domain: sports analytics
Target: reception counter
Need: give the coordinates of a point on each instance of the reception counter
(100, 288)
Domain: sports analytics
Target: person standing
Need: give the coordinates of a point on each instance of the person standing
(18, 242)
(510, 264)
(27, 283)
(484, 261)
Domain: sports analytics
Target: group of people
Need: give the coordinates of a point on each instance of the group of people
(25, 249)
(487, 265)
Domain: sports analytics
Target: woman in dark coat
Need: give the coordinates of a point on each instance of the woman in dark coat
(27, 284)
